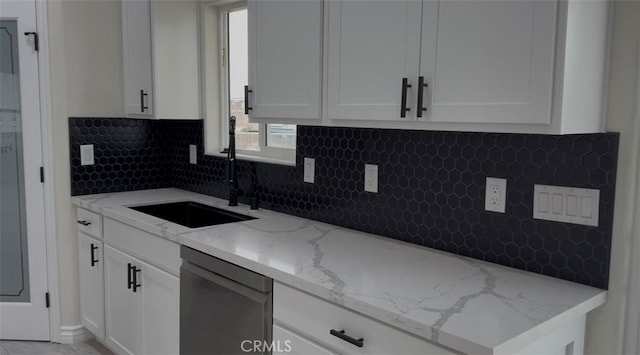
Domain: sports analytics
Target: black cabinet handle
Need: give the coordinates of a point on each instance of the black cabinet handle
(136, 285)
(421, 86)
(246, 100)
(403, 103)
(84, 223)
(142, 96)
(93, 259)
(342, 335)
(129, 275)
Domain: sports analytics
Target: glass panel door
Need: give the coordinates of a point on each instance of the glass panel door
(14, 265)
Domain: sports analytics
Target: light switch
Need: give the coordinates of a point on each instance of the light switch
(371, 178)
(86, 154)
(572, 205)
(566, 204)
(193, 154)
(309, 170)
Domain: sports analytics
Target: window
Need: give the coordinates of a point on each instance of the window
(225, 68)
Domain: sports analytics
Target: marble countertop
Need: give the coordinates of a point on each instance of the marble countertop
(462, 303)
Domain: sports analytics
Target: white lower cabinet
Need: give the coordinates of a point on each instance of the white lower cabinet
(160, 310)
(124, 323)
(142, 306)
(314, 321)
(91, 266)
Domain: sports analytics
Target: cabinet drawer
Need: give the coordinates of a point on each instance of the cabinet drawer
(314, 318)
(89, 223)
(151, 248)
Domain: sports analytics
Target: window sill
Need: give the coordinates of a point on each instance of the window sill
(255, 158)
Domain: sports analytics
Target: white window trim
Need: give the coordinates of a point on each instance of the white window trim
(216, 128)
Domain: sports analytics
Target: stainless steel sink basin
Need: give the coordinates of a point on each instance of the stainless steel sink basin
(192, 214)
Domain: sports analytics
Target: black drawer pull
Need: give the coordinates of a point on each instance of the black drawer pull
(84, 223)
(403, 103)
(342, 335)
(421, 86)
(93, 259)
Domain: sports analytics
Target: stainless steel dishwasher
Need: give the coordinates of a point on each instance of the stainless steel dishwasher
(224, 308)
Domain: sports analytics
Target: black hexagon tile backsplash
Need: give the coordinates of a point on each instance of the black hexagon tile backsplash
(431, 185)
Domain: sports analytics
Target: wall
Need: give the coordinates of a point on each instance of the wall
(431, 185)
(605, 327)
(86, 79)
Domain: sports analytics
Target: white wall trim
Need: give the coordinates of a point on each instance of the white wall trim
(71, 334)
(46, 121)
(632, 326)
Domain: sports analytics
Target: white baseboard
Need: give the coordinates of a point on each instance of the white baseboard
(71, 334)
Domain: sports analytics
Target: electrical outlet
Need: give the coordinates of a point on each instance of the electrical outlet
(371, 178)
(193, 154)
(86, 155)
(495, 195)
(309, 170)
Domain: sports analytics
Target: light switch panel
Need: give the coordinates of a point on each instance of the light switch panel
(86, 154)
(193, 154)
(566, 204)
(371, 178)
(309, 170)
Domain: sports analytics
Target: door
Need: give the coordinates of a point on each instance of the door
(285, 58)
(372, 47)
(91, 266)
(23, 271)
(489, 61)
(138, 69)
(160, 310)
(122, 305)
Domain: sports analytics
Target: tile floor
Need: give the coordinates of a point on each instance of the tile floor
(89, 347)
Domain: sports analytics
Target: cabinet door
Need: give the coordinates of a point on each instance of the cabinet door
(285, 58)
(489, 61)
(287, 342)
(136, 40)
(123, 306)
(372, 46)
(160, 310)
(91, 266)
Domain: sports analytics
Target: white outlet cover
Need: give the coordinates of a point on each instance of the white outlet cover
(495, 195)
(86, 155)
(309, 170)
(371, 178)
(193, 154)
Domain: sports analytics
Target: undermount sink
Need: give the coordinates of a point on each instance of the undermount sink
(192, 214)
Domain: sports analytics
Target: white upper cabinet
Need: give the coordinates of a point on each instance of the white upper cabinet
(523, 66)
(160, 49)
(373, 53)
(489, 61)
(285, 59)
(136, 40)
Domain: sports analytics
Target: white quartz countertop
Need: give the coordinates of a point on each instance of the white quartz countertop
(462, 303)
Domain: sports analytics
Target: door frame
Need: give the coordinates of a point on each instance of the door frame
(46, 125)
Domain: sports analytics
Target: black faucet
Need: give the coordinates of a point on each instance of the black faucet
(234, 191)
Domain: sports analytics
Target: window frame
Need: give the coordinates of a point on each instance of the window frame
(217, 127)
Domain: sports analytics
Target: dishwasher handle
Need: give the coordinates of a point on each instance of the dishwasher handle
(240, 289)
